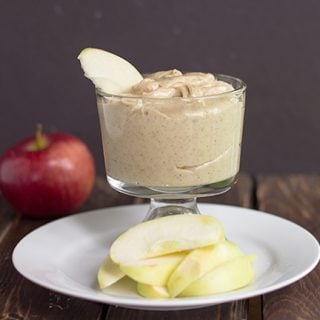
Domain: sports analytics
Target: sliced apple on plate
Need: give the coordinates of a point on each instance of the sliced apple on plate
(231, 275)
(177, 256)
(198, 262)
(108, 273)
(164, 236)
(109, 73)
(153, 271)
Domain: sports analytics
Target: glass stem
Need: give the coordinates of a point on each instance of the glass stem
(161, 208)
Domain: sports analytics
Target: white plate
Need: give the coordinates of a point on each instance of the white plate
(64, 255)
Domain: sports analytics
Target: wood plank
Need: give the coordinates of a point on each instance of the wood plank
(227, 311)
(242, 195)
(7, 216)
(21, 299)
(295, 197)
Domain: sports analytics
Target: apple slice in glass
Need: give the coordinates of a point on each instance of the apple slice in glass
(108, 72)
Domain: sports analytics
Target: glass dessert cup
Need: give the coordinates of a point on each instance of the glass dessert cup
(173, 150)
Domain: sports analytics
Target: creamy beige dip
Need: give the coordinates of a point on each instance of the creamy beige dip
(173, 130)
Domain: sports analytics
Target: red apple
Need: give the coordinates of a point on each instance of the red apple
(47, 175)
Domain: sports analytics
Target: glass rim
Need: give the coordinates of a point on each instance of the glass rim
(242, 88)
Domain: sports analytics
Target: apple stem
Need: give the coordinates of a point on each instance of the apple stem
(41, 142)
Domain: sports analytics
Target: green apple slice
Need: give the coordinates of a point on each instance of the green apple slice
(198, 262)
(109, 72)
(166, 235)
(231, 275)
(108, 273)
(153, 292)
(153, 271)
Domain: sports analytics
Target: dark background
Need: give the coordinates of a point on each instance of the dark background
(273, 45)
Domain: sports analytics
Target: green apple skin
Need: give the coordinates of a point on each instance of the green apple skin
(166, 235)
(231, 275)
(199, 262)
(153, 292)
(108, 273)
(109, 73)
(153, 271)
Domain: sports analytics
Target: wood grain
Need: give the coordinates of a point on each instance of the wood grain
(241, 195)
(228, 311)
(21, 299)
(7, 216)
(295, 197)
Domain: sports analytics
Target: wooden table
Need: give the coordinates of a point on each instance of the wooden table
(295, 197)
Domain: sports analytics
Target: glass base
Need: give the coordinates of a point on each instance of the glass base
(162, 208)
(172, 193)
(167, 201)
